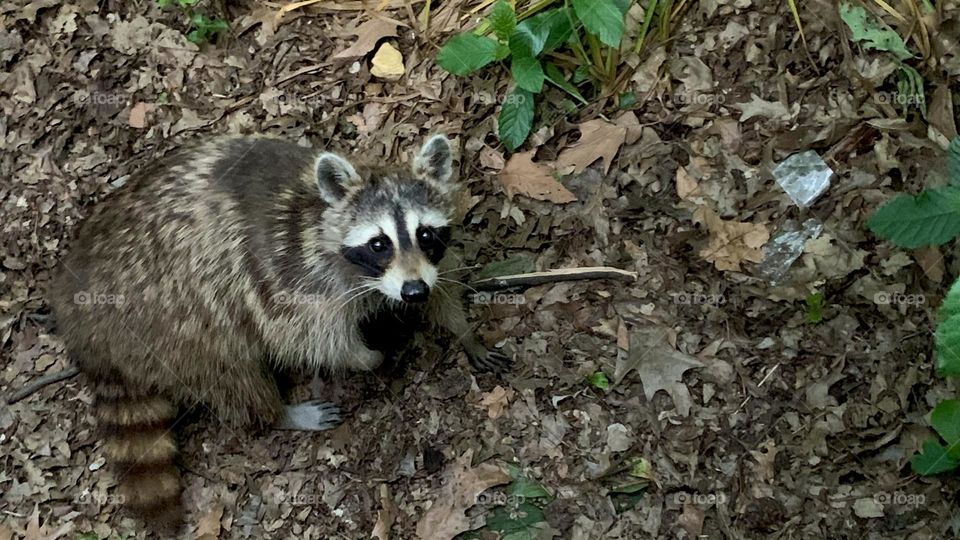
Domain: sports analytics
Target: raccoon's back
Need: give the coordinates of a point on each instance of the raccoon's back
(174, 246)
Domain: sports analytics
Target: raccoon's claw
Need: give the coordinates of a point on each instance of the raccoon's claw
(313, 415)
(493, 361)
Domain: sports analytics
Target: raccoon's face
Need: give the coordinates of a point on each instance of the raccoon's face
(397, 222)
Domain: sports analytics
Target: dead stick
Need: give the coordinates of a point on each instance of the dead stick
(41, 382)
(552, 276)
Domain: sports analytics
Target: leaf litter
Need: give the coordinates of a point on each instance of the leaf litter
(735, 400)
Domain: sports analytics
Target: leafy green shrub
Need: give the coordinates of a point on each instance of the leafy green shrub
(932, 218)
(590, 29)
(203, 28)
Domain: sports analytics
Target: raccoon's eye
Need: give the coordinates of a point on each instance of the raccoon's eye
(426, 236)
(379, 244)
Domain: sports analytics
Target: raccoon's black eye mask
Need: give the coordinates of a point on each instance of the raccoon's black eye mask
(372, 257)
(433, 242)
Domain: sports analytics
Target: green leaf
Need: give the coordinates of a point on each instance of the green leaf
(516, 118)
(910, 89)
(599, 380)
(527, 73)
(508, 521)
(601, 18)
(815, 305)
(503, 20)
(528, 489)
(945, 419)
(953, 162)
(948, 346)
(518, 264)
(528, 42)
(466, 53)
(548, 29)
(868, 29)
(930, 218)
(555, 76)
(934, 459)
(951, 303)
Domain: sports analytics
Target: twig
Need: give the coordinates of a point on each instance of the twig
(41, 382)
(552, 276)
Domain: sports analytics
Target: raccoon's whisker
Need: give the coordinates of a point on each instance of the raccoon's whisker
(364, 289)
(470, 267)
(462, 284)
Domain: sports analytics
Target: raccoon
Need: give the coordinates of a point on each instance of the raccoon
(210, 271)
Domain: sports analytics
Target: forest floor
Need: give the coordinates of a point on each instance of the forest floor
(700, 399)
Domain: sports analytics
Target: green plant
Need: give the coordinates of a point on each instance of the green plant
(815, 303)
(937, 457)
(203, 28)
(931, 218)
(521, 515)
(573, 44)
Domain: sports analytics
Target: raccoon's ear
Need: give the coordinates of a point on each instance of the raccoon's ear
(434, 162)
(334, 174)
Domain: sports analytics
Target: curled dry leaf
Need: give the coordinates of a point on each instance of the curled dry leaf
(521, 176)
(368, 34)
(731, 242)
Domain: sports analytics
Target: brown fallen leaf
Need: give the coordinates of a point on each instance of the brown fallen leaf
(138, 115)
(598, 139)
(687, 188)
(208, 527)
(731, 242)
(496, 401)
(930, 259)
(521, 176)
(388, 63)
(385, 516)
(659, 364)
(462, 485)
(368, 34)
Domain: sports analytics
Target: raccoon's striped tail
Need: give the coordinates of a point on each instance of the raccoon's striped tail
(140, 445)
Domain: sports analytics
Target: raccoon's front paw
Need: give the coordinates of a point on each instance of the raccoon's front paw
(313, 415)
(495, 361)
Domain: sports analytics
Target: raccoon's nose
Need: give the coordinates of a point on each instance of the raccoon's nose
(414, 291)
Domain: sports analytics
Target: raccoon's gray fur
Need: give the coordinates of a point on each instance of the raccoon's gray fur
(215, 266)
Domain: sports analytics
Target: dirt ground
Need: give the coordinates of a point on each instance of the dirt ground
(727, 413)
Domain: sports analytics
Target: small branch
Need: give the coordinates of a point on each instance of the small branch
(40, 382)
(552, 276)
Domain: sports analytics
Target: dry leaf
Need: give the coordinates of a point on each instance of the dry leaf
(521, 176)
(447, 517)
(759, 107)
(388, 63)
(138, 115)
(687, 187)
(659, 364)
(496, 401)
(598, 139)
(208, 527)
(368, 34)
(930, 259)
(385, 516)
(731, 242)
